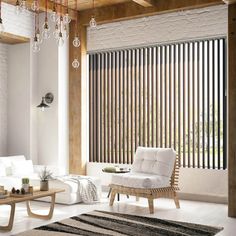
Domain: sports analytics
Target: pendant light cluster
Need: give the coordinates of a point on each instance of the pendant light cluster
(61, 22)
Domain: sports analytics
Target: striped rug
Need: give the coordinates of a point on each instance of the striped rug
(107, 223)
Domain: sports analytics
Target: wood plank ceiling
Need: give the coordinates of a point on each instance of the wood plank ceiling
(88, 4)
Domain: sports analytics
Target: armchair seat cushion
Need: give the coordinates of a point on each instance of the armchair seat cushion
(140, 180)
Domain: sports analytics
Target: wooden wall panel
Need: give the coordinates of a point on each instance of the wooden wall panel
(232, 110)
(77, 88)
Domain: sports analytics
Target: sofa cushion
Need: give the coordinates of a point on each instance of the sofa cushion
(22, 168)
(140, 180)
(2, 170)
(7, 162)
(159, 161)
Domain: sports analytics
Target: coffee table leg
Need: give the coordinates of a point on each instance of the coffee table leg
(45, 217)
(109, 193)
(11, 219)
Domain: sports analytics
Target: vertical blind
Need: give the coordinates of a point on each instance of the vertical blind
(160, 96)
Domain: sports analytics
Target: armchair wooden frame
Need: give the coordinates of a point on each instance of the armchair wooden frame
(153, 193)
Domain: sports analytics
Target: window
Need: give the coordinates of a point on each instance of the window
(160, 96)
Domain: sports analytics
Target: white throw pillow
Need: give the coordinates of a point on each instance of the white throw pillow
(2, 170)
(22, 168)
(7, 164)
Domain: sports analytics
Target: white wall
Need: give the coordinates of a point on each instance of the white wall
(19, 100)
(178, 26)
(63, 107)
(53, 72)
(19, 25)
(3, 99)
(24, 78)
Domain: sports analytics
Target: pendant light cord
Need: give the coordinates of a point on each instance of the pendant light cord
(0, 9)
(76, 19)
(46, 12)
(35, 23)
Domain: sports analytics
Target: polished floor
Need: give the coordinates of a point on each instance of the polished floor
(191, 211)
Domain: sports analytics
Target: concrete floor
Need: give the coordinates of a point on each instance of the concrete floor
(190, 211)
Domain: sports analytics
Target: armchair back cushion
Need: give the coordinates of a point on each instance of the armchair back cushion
(158, 161)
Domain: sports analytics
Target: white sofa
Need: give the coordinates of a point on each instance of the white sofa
(14, 168)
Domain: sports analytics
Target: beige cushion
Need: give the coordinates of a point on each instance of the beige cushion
(140, 180)
(158, 161)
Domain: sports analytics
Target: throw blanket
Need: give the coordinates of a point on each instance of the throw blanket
(87, 189)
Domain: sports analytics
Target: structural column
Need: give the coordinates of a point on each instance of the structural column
(232, 110)
(77, 103)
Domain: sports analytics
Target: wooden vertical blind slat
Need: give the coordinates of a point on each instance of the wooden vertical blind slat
(170, 97)
(115, 82)
(219, 106)
(193, 103)
(152, 69)
(184, 104)
(157, 67)
(140, 96)
(179, 104)
(120, 105)
(127, 106)
(132, 122)
(124, 105)
(148, 99)
(203, 104)
(188, 81)
(163, 96)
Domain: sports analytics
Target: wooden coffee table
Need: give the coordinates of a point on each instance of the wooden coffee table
(11, 201)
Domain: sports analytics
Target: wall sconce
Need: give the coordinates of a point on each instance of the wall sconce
(47, 99)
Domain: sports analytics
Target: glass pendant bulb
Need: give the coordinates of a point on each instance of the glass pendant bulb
(92, 22)
(53, 16)
(46, 30)
(38, 36)
(76, 42)
(23, 6)
(65, 33)
(66, 19)
(1, 26)
(60, 40)
(35, 45)
(35, 5)
(17, 8)
(75, 63)
(56, 32)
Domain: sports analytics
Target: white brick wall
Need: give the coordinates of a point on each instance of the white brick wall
(22, 25)
(177, 26)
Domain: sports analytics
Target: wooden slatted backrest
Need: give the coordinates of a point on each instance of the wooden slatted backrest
(174, 179)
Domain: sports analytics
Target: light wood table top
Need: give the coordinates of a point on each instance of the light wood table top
(36, 194)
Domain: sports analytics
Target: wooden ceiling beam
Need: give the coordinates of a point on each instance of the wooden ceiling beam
(229, 1)
(145, 3)
(12, 38)
(130, 10)
(42, 8)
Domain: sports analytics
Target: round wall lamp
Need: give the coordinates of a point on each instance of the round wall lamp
(47, 99)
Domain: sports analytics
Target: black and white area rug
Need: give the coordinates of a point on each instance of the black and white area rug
(108, 223)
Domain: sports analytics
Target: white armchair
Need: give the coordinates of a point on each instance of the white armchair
(154, 174)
